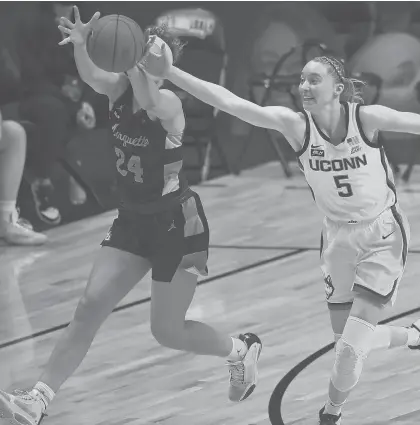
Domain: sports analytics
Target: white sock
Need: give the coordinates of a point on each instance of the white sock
(6, 209)
(239, 350)
(332, 408)
(47, 394)
(413, 336)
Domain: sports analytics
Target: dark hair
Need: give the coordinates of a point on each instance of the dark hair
(174, 43)
(352, 86)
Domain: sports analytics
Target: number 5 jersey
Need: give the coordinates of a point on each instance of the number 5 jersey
(351, 182)
(148, 159)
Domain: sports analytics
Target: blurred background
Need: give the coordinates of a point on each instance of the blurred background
(256, 50)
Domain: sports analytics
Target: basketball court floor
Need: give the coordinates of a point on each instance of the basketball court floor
(264, 278)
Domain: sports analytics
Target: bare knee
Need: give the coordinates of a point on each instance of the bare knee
(13, 136)
(91, 311)
(166, 333)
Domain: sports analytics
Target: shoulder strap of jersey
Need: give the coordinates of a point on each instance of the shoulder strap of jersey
(360, 128)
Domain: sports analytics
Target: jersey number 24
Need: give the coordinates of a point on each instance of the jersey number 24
(133, 165)
(344, 188)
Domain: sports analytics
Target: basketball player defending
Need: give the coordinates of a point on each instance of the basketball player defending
(12, 162)
(365, 234)
(161, 227)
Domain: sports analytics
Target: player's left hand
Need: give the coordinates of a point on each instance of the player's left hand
(158, 59)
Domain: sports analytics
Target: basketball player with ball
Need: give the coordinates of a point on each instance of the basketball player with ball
(161, 225)
(365, 234)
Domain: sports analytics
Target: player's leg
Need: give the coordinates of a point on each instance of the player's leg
(172, 293)
(170, 302)
(377, 277)
(114, 274)
(12, 161)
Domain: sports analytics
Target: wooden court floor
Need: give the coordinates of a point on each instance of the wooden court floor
(264, 278)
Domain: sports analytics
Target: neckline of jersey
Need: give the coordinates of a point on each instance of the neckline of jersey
(324, 136)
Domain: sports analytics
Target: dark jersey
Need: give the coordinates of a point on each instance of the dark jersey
(148, 159)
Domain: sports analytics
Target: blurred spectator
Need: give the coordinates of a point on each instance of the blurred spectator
(12, 159)
(41, 79)
(50, 98)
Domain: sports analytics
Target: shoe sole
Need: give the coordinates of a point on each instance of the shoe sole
(7, 413)
(251, 389)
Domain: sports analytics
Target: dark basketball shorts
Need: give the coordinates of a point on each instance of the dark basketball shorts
(170, 240)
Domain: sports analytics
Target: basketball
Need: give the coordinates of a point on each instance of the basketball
(116, 43)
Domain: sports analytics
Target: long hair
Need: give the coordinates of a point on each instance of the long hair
(352, 86)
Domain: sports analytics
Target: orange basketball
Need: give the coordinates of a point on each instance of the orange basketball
(116, 43)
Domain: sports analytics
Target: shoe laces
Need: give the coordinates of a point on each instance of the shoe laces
(28, 396)
(24, 394)
(237, 372)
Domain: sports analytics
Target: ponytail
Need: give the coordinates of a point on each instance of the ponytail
(353, 91)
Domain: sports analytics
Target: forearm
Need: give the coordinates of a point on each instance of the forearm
(145, 90)
(212, 94)
(87, 70)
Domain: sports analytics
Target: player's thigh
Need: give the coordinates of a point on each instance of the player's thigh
(182, 241)
(338, 263)
(339, 313)
(171, 300)
(383, 261)
(113, 276)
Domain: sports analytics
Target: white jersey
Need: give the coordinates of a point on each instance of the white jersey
(351, 182)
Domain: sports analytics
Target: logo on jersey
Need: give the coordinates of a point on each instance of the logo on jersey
(355, 149)
(141, 141)
(326, 166)
(118, 111)
(317, 150)
(353, 141)
(329, 287)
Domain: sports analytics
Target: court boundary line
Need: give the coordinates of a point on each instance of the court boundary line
(276, 398)
(34, 335)
(280, 248)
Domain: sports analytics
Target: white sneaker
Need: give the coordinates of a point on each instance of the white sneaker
(244, 373)
(416, 326)
(16, 232)
(21, 408)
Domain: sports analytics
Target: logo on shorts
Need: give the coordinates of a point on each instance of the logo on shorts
(172, 226)
(108, 236)
(329, 288)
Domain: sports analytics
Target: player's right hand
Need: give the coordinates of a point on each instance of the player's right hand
(77, 32)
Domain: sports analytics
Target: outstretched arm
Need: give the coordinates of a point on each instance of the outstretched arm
(273, 117)
(378, 117)
(109, 83)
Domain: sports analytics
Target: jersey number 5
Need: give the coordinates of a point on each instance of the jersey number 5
(133, 165)
(345, 187)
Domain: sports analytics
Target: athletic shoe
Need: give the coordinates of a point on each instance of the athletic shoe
(328, 419)
(21, 408)
(244, 373)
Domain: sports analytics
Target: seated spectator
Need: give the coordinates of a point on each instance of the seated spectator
(50, 96)
(12, 160)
